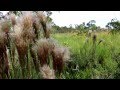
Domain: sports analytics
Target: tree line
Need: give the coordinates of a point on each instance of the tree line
(113, 25)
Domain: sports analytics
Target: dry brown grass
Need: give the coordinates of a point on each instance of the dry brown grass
(22, 35)
(4, 65)
(43, 51)
(5, 25)
(22, 49)
(47, 73)
(13, 18)
(36, 25)
(43, 21)
(60, 56)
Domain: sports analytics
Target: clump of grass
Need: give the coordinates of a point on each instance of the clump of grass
(102, 64)
(23, 39)
(21, 34)
(49, 47)
(27, 28)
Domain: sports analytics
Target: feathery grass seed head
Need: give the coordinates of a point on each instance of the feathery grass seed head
(13, 18)
(47, 73)
(43, 51)
(5, 25)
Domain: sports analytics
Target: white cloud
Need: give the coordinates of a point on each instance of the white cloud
(65, 18)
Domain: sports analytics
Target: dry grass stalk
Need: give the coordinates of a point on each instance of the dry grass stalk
(60, 56)
(58, 60)
(43, 51)
(25, 22)
(66, 56)
(42, 17)
(47, 73)
(4, 65)
(5, 25)
(24, 36)
(94, 38)
(33, 55)
(13, 18)
(47, 32)
(13, 49)
(43, 21)
(22, 49)
(36, 25)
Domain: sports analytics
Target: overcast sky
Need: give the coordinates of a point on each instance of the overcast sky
(65, 18)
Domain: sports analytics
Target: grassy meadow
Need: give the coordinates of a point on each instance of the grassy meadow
(29, 51)
(91, 61)
(88, 60)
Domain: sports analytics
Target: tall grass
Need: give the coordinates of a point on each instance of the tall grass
(91, 58)
(24, 54)
(28, 51)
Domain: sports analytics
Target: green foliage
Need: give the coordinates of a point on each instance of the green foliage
(114, 25)
(88, 61)
(79, 28)
(91, 24)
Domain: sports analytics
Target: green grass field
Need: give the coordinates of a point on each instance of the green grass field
(91, 61)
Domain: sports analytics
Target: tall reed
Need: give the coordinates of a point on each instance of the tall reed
(4, 63)
(60, 55)
(44, 23)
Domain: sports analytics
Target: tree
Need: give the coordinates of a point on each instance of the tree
(80, 27)
(114, 25)
(91, 24)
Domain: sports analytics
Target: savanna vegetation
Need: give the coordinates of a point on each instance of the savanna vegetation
(33, 47)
